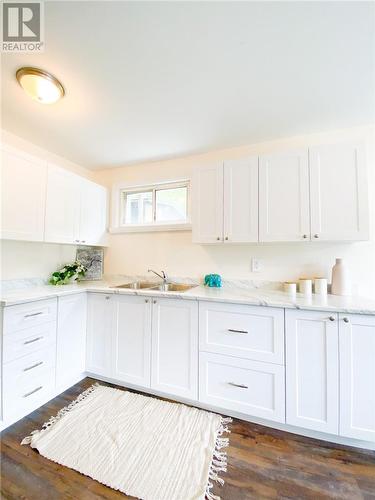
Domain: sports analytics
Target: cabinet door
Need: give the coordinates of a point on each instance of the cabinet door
(23, 191)
(100, 322)
(207, 204)
(132, 340)
(339, 197)
(175, 347)
(357, 376)
(71, 339)
(62, 206)
(93, 214)
(284, 213)
(312, 370)
(241, 200)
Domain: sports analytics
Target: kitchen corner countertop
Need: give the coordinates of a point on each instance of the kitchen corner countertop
(230, 294)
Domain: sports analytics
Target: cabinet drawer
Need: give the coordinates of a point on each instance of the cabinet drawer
(250, 332)
(27, 341)
(27, 315)
(28, 382)
(250, 387)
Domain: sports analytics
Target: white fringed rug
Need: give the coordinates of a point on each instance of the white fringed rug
(142, 446)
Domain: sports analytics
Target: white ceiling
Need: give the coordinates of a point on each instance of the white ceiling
(151, 80)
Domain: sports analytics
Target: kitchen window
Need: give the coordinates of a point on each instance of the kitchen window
(157, 207)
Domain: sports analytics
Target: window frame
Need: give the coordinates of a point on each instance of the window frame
(119, 208)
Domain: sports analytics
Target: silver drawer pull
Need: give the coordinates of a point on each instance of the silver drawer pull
(32, 341)
(33, 392)
(33, 366)
(241, 386)
(33, 314)
(231, 330)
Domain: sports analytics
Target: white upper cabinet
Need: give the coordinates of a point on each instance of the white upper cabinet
(357, 376)
(175, 347)
(93, 213)
(241, 200)
(312, 370)
(284, 213)
(23, 188)
(132, 340)
(339, 197)
(62, 206)
(207, 204)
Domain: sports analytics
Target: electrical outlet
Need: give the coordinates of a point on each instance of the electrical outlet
(255, 265)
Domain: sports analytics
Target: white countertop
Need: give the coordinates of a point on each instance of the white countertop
(230, 294)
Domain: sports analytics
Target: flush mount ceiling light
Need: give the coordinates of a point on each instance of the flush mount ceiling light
(40, 85)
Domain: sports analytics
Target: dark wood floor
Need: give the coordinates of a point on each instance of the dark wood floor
(262, 463)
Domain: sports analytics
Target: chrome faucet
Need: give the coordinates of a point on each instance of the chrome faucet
(163, 275)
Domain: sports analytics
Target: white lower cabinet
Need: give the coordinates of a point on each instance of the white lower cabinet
(357, 376)
(250, 387)
(132, 340)
(312, 370)
(100, 322)
(71, 339)
(174, 365)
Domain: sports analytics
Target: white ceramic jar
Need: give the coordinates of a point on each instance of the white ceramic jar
(341, 284)
(305, 287)
(320, 286)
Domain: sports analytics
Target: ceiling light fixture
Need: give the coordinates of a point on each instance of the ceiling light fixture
(40, 85)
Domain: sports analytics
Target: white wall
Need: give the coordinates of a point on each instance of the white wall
(134, 253)
(21, 259)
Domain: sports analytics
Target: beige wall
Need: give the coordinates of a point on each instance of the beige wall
(20, 259)
(134, 253)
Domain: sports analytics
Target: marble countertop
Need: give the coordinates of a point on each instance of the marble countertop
(229, 293)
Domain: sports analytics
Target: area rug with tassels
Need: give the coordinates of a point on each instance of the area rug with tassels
(142, 446)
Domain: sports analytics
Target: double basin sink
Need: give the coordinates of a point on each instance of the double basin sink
(161, 287)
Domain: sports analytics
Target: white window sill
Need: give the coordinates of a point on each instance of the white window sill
(150, 228)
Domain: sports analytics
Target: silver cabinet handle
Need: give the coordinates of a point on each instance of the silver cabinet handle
(32, 392)
(218, 238)
(146, 301)
(316, 235)
(76, 241)
(33, 366)
(107, 297)
(232, 330)
(331, 318)
(241, 386)
(154, 301)
(226, 238)
(83, 241)
(32, 341)
(33, 314)
(346, 320)
(304, 236)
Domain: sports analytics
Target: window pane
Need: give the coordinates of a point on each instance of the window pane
(138, 208)
(171, 204)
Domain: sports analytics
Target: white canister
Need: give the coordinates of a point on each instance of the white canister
(290, 287)
(320, 286)
(340, 279)
(305, 286)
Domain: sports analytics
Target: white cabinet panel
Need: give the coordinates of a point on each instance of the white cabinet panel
(207, 204)
(312, 370)
(175, 347)
(250, 387)
(23, 192)
(284, 212)
(357, 376)
(93, 214)
(62, 206)
(100, 323)
(250, 332)
(241, 200)
(132, 340)
(339, 197)
(28, 315)
(71, 338)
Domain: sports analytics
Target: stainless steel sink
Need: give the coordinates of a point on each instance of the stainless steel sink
(175, 287)
(137, 285)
